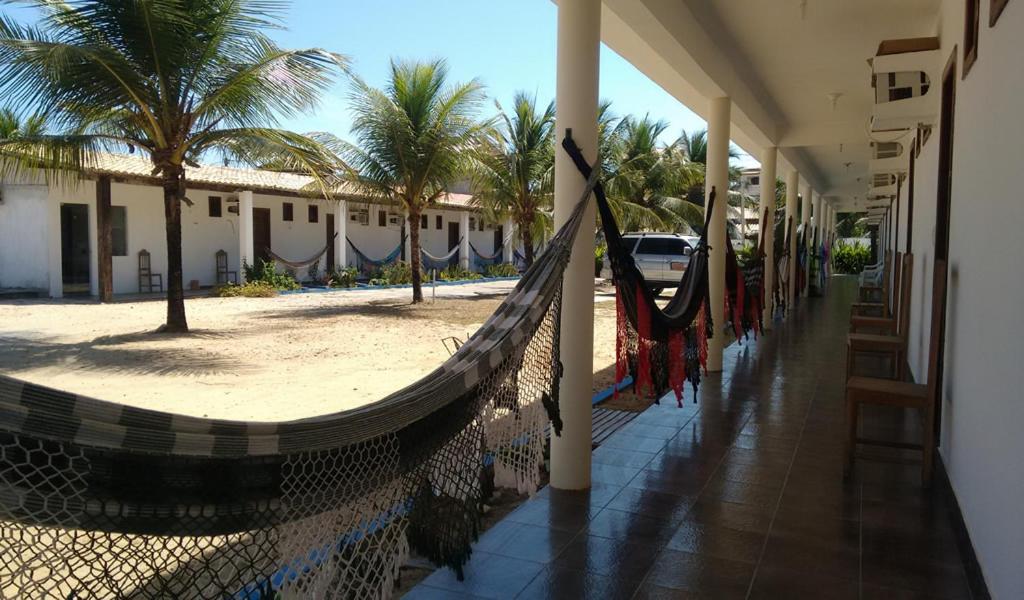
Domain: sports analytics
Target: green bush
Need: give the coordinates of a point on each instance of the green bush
(745, 255)
(253, 289)
(600, 251)
(457, 273)
(850, 258)
(396, 273)
(342, 278)
(265, 272)
(501, 270)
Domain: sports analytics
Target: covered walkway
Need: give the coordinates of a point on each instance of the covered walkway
(740, 495)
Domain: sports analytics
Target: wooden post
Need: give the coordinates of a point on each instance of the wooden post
(105, 239)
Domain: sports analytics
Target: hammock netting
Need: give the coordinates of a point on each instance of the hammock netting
(781, 281)
(311, 264)
(367, 265)
(744, 298)
(101, 500)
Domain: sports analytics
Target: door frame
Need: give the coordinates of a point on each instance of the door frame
(943, 210)
(84, 278)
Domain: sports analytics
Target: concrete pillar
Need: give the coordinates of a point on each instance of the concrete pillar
(464, 245)
(54, 263)
(805, 220)
(717, 177)
(94, 249)
(769, 159)
(341, 228)
(404, 231)
(792, 220)
(576, 95)
(246, 254)
(509, 241)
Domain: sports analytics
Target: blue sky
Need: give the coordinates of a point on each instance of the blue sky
(507, 44)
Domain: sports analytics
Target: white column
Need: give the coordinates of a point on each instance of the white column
(769, 159)
(792, 220)
(407, 248)
(509, 241)
(805, 220)
(464, 245)
(246, 255)
(54, 232)
(341, 228)
(576, 94)
(717, 177)
(94, 244)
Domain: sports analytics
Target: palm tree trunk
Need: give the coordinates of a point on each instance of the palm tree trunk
(415, 259)
(526, 235)
(174, 193)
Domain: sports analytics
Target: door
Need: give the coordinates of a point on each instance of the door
(74, 247)
(261, 233)
(651, 259)
(943, 202)
(330, 242)
(499, 241)
(453, 241)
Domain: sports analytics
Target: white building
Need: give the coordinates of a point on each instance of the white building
(49, 232)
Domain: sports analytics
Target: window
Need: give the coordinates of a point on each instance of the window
(472, 223)
(288, 211)
(423, 221)
(215, 206)
(439, 222)
(972, 17)
(313, 212)
(118, 231)
(673, 246)
(382, 218)
(360, 216)
(755, 180)
(994, 10)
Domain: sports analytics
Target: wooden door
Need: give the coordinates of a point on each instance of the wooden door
(74, 245)
(453, 235)
(261, 233)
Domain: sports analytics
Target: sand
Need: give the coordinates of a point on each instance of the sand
(261, 359)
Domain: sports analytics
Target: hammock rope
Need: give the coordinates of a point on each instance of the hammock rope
(365, 264)
(440, 262)
(117, 502)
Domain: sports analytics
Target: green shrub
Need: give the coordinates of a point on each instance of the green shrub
(501, 270)
(342, 278)
(745, 255)
(600, 251)
(850, 258)
(265, 272)
(253, 289)
(457, 273)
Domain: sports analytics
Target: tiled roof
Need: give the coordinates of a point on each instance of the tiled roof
(126, 165)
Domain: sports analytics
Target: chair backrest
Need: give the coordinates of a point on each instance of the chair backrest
(144, 267)
(222, 261)
(906, 285)
(937, 324)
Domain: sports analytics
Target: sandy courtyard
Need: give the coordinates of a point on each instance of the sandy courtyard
(254, 358)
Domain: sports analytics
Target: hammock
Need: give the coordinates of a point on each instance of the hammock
(298, 264)
(518, 259)
(781, 283)
(102, 500)
(440, 263)
(482, 261)
(661, 348)
(367, 265)
(745, 287)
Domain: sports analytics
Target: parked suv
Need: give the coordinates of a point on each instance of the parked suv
(661, 257)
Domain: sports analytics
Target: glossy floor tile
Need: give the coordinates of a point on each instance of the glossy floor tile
(739, 495)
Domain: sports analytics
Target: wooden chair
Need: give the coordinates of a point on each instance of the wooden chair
(901, 394)
(146, 275)
(894, 345)
(224, 276)
(887, 322)
(880, 307)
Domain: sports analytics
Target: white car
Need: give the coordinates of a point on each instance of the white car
(661, 257)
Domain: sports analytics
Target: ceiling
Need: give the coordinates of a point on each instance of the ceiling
(781, 62)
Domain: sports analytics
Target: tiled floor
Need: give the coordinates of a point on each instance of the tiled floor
(738, 496)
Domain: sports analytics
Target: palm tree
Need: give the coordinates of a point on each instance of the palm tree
(695, 147)
(175, 78)
(648, 180)
(13, 127)
(513, 178)
(415, 138)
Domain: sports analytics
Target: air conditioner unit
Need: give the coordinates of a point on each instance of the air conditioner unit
(360, 216)
(394, 219)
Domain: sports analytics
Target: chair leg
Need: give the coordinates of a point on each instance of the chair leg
(852, 414)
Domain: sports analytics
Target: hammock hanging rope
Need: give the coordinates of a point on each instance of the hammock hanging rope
(298, 264)
(440, 262)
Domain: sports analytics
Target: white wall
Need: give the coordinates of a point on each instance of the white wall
(24, 230)
(983, 412)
